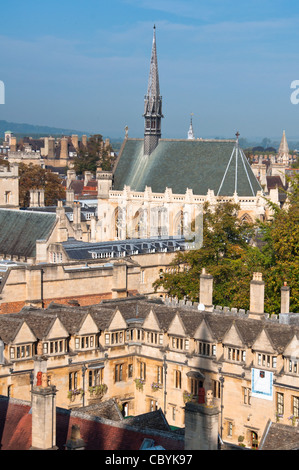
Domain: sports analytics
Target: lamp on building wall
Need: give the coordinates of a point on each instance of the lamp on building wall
(165, 374)
(221, 380)
(84, 369)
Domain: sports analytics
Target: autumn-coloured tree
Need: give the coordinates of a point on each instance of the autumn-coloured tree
(35, 177)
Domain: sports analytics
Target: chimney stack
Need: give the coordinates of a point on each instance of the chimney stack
(285, 299)
(75, 442)
(13, 144)
(75, 141)
(43, 401)
(51, 147)
(70, 197)
(87, 177)
(64, 148)
(257, 296)
(201, 425)
(206, 290)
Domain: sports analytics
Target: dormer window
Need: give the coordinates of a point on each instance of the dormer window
(114, 338)
(236, 354)
(58, 346)
(293, 366)
(180, 343)
(85, 342)
(154, 338)
(206, 349)
(20, 352)
(268, 361)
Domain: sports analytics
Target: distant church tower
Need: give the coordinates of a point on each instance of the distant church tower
(152, 105)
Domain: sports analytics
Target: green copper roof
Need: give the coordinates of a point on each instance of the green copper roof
(21, 229)
(199, 165)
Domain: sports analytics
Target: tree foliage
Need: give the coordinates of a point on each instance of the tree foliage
(281, 251)
(94, 155)
(35, 177)
(225, 253)
(231, 260)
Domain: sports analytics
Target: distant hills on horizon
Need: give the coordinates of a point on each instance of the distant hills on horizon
(37, 131)
(23, 129)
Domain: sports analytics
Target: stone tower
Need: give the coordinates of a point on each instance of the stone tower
(152, 105)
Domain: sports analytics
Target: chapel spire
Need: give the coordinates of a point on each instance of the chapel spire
(190, 132)
(283, 151)
(152, 105)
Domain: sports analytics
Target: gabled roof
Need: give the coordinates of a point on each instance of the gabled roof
(199, 165)
(21, 229)
(39, 323)
(9, 327)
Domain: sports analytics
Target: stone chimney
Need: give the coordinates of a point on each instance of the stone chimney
(62, 234)
(75, 442)
(64, 148)
(70, 176)
(51, 147)
(45, 148)
(43, 405)
(93, 228)
(285, 299)
(206, 290)
(70, 197)
(257, 296)
(13, 144)
(87, 177)
(37, 198)
(75, 141)
(84, 140)
(104, 179)
(77, 219)
(201, 424)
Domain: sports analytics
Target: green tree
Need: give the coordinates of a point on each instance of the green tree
(94, 155)
(225, 253)
(231, 260)
(35, 177)
(281, 251)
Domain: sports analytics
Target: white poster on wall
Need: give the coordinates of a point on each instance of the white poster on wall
(262, 384)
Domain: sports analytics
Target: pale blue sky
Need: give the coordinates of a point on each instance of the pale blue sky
(84, 65)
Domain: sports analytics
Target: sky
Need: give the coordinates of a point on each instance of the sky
(85, 65)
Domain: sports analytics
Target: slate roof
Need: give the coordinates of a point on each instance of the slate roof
(77, 249)
(199, 165)
(21, 229)
(9, 326)
(137, 309)
(85, 211)
(280, 437)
